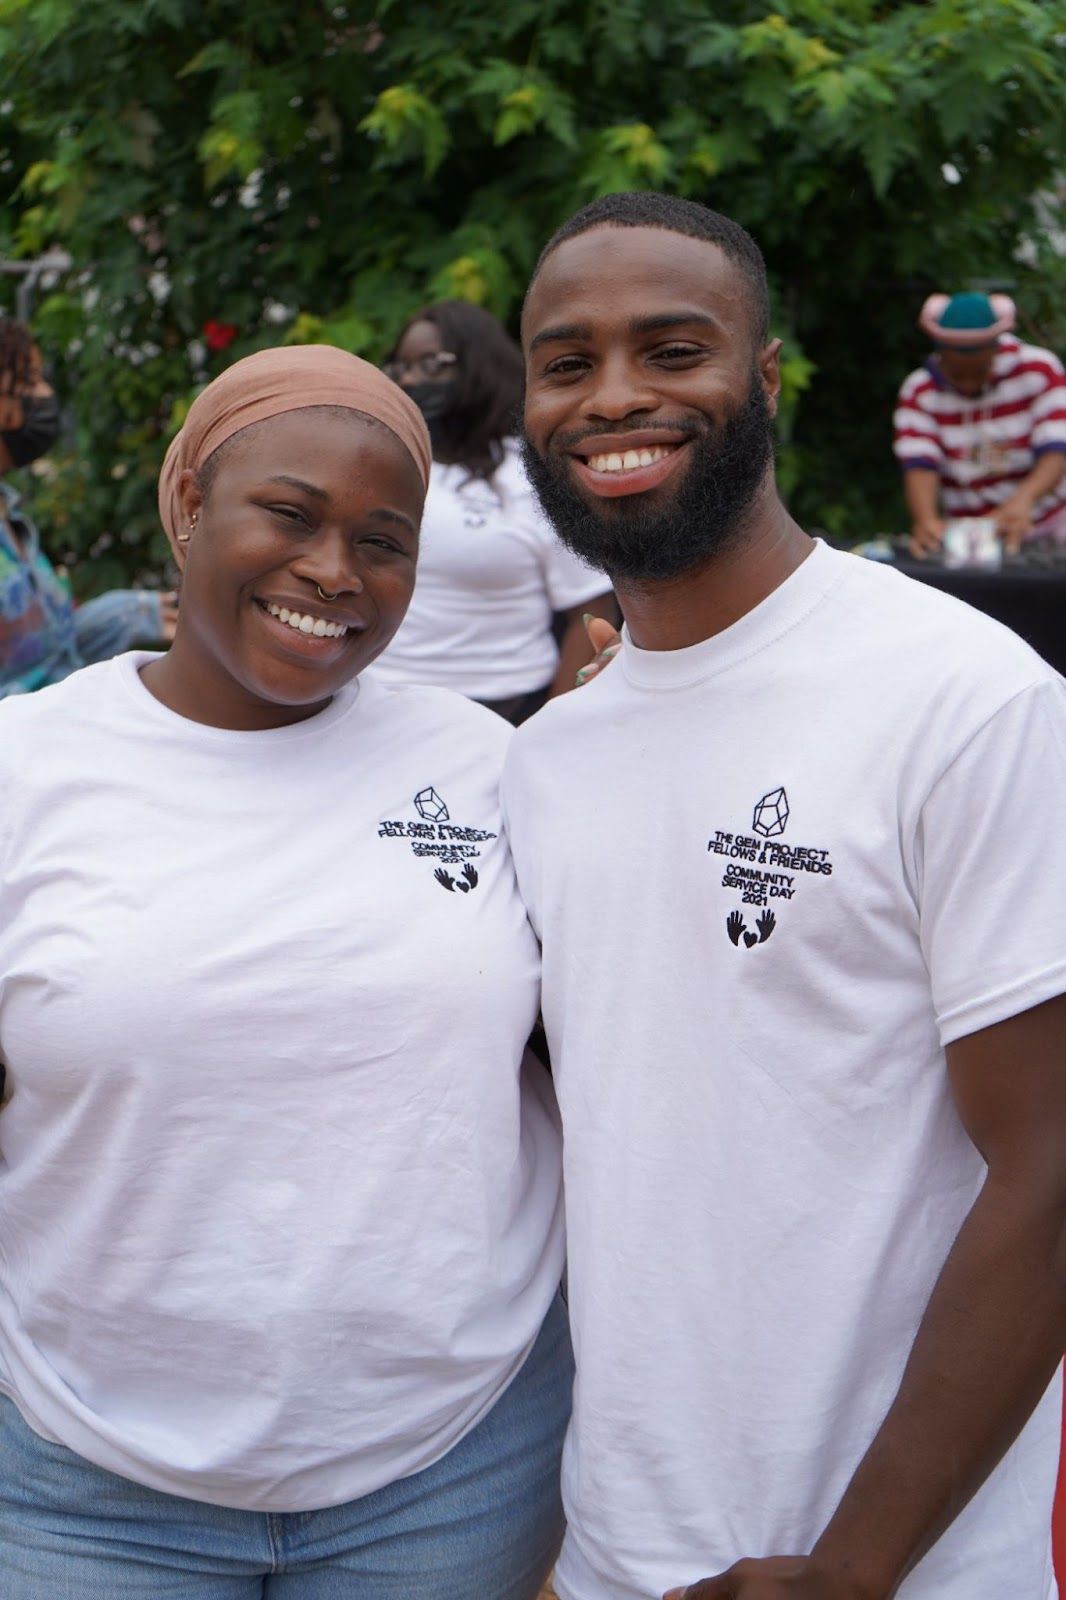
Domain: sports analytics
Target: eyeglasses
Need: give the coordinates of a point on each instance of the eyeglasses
(428, 367)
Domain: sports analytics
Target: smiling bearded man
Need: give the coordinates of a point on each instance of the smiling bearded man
(638, 537)
(804, 947)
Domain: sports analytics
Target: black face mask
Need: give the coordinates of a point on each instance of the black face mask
(38, 433)
(434, 400)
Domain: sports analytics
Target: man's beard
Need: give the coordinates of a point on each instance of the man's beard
(638, 538)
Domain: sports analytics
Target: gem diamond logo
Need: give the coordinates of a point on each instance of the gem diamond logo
(430, 806)
(771, 814)
(452, 847)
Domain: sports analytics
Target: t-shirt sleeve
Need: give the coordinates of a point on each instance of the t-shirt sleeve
(1049, 410)
(991, 863)
(514, 808)
(567, 580)
(915, 434)
(8, 767)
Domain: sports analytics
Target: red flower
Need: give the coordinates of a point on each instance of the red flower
(217, 335)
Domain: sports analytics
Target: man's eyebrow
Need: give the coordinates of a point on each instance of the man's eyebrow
(298, 483)
(673, 319)
(567, 332)
(561, 334)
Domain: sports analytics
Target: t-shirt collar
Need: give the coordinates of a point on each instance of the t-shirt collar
(127, 669)
(787, 605)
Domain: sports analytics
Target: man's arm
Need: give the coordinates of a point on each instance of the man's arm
(921, 490)
(1014, 517)
(987, 1347)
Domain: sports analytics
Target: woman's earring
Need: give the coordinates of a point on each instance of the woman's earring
(183, 538)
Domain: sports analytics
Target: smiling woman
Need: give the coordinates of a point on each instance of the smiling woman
(280, 1190)
(296, 484)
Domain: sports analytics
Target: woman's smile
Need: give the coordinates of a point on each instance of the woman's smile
(306, 633)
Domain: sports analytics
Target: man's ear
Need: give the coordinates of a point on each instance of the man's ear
(769, 364)
(191, 501)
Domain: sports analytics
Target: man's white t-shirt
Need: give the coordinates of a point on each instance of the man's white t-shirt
(279, 1212)
(774, 875)
(491, 574)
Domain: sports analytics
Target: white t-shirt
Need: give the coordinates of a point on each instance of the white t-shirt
(491, 572)
(774, 875)
(279, 1215)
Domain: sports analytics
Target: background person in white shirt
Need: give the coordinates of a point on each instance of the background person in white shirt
(280, 1212)
(495, 586)
(795, 865)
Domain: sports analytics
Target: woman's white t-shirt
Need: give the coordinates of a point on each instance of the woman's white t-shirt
(491, 575)
(279, 1209)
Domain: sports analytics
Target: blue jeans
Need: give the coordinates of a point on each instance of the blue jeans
(483, 1523)
(117, 621)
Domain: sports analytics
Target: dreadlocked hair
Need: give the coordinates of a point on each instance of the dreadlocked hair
(17, 363)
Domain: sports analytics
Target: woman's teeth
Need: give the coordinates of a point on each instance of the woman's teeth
(626, 461)
(305, 624)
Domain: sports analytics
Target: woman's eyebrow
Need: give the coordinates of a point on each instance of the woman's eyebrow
(386, 514)
(381, 513)
(298, 483)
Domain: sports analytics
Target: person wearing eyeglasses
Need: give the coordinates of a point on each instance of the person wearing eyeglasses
(497, 612)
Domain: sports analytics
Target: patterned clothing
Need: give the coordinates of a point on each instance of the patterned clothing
(38, 643)
(984, 445)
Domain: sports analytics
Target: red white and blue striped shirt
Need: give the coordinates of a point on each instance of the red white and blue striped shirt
(984, 445)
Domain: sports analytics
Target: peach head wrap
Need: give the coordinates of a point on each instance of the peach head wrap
(273, 381)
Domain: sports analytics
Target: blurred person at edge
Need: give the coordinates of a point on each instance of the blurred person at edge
(495, 586)
(980, 429)
(280, 1191)
(43, 638)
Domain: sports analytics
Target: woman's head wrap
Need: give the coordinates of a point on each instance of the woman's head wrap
(966, 321)
(274, 381)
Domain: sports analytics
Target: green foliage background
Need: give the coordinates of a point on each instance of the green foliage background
(305, 171)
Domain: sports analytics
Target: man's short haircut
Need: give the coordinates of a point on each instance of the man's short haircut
(648, 209)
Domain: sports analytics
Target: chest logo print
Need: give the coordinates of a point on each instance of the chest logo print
(430, 806)
(771, 814)
(735, 926)
(762, 867)
(436, 837)
(467, 880)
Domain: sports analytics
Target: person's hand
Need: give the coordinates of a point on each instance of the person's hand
(927, 535)
(606, 641)
(775, 1578)
(168, 616)
(1013, 521)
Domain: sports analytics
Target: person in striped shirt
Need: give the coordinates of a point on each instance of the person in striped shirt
(980, 429)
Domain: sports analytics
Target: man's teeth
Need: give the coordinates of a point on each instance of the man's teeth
(626, 461)
(305, 624)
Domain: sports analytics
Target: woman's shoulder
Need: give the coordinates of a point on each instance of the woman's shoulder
(40, 735)
(425, 711)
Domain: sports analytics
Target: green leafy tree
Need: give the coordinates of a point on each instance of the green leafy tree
(227, 176)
